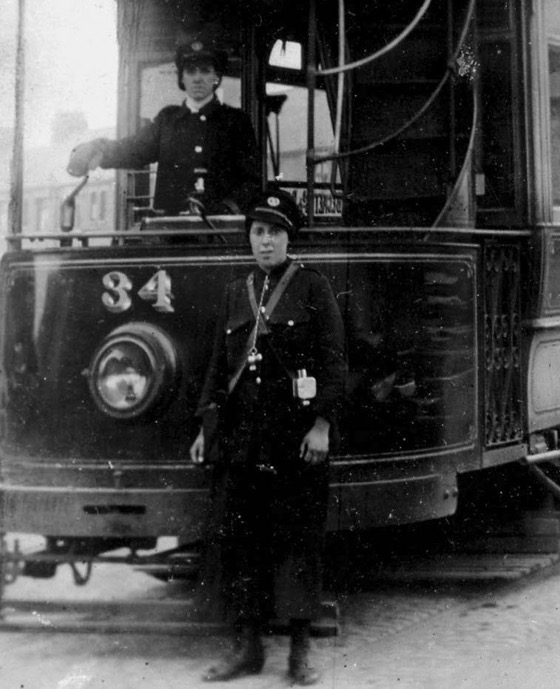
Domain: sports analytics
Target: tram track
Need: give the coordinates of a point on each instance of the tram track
(387, 599)
(391, 631)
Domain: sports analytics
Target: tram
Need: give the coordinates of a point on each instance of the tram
(421, 140)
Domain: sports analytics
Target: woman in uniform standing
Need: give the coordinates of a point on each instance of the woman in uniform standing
(277, 373)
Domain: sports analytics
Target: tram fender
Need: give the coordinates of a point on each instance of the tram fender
(358, 506)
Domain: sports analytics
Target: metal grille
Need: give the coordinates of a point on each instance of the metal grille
(502, 380)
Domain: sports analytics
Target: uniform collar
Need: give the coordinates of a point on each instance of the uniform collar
(274, 275)
(207, 109)
(195, 106)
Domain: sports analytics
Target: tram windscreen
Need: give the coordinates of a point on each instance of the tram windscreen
(411, 333)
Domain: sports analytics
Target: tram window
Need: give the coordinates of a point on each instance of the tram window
(286, 108)
(288, 128)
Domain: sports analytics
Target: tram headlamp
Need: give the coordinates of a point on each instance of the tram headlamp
(132, 370)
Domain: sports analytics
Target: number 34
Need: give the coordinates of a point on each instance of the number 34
(118, 285)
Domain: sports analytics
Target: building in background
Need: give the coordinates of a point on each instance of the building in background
(46, 182)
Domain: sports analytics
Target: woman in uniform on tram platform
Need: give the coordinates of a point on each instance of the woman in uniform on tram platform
(205, 149)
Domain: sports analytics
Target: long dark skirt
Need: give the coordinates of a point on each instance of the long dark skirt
(265, 537)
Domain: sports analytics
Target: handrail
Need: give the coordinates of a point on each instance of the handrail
(121, 238)
(128, 234)
(158, 226)
(340, 80)
(325, 231)
(450, 69)
(374, 56)
(541, 476)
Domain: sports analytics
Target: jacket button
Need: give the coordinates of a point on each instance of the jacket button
(228, 331)
(290, 323)
(203, 118)
(198, 149)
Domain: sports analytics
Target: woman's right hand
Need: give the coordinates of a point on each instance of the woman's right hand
(197, 449)
(85, 157)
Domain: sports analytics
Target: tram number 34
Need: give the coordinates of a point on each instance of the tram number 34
(117, 298)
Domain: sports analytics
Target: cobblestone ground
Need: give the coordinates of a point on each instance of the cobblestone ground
(485, 637)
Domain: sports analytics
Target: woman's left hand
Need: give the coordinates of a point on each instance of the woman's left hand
(315, 445)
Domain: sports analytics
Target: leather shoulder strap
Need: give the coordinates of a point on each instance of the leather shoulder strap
(260, 322)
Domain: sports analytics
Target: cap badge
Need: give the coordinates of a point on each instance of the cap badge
(273, 201)
(196, 46)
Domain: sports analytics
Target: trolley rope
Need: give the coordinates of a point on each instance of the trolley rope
(461, 176)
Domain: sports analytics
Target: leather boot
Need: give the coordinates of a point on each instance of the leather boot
(245, 658)
(299, 670)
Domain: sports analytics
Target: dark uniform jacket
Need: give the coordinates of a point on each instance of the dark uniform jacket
(218, 138)
(305, 331)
